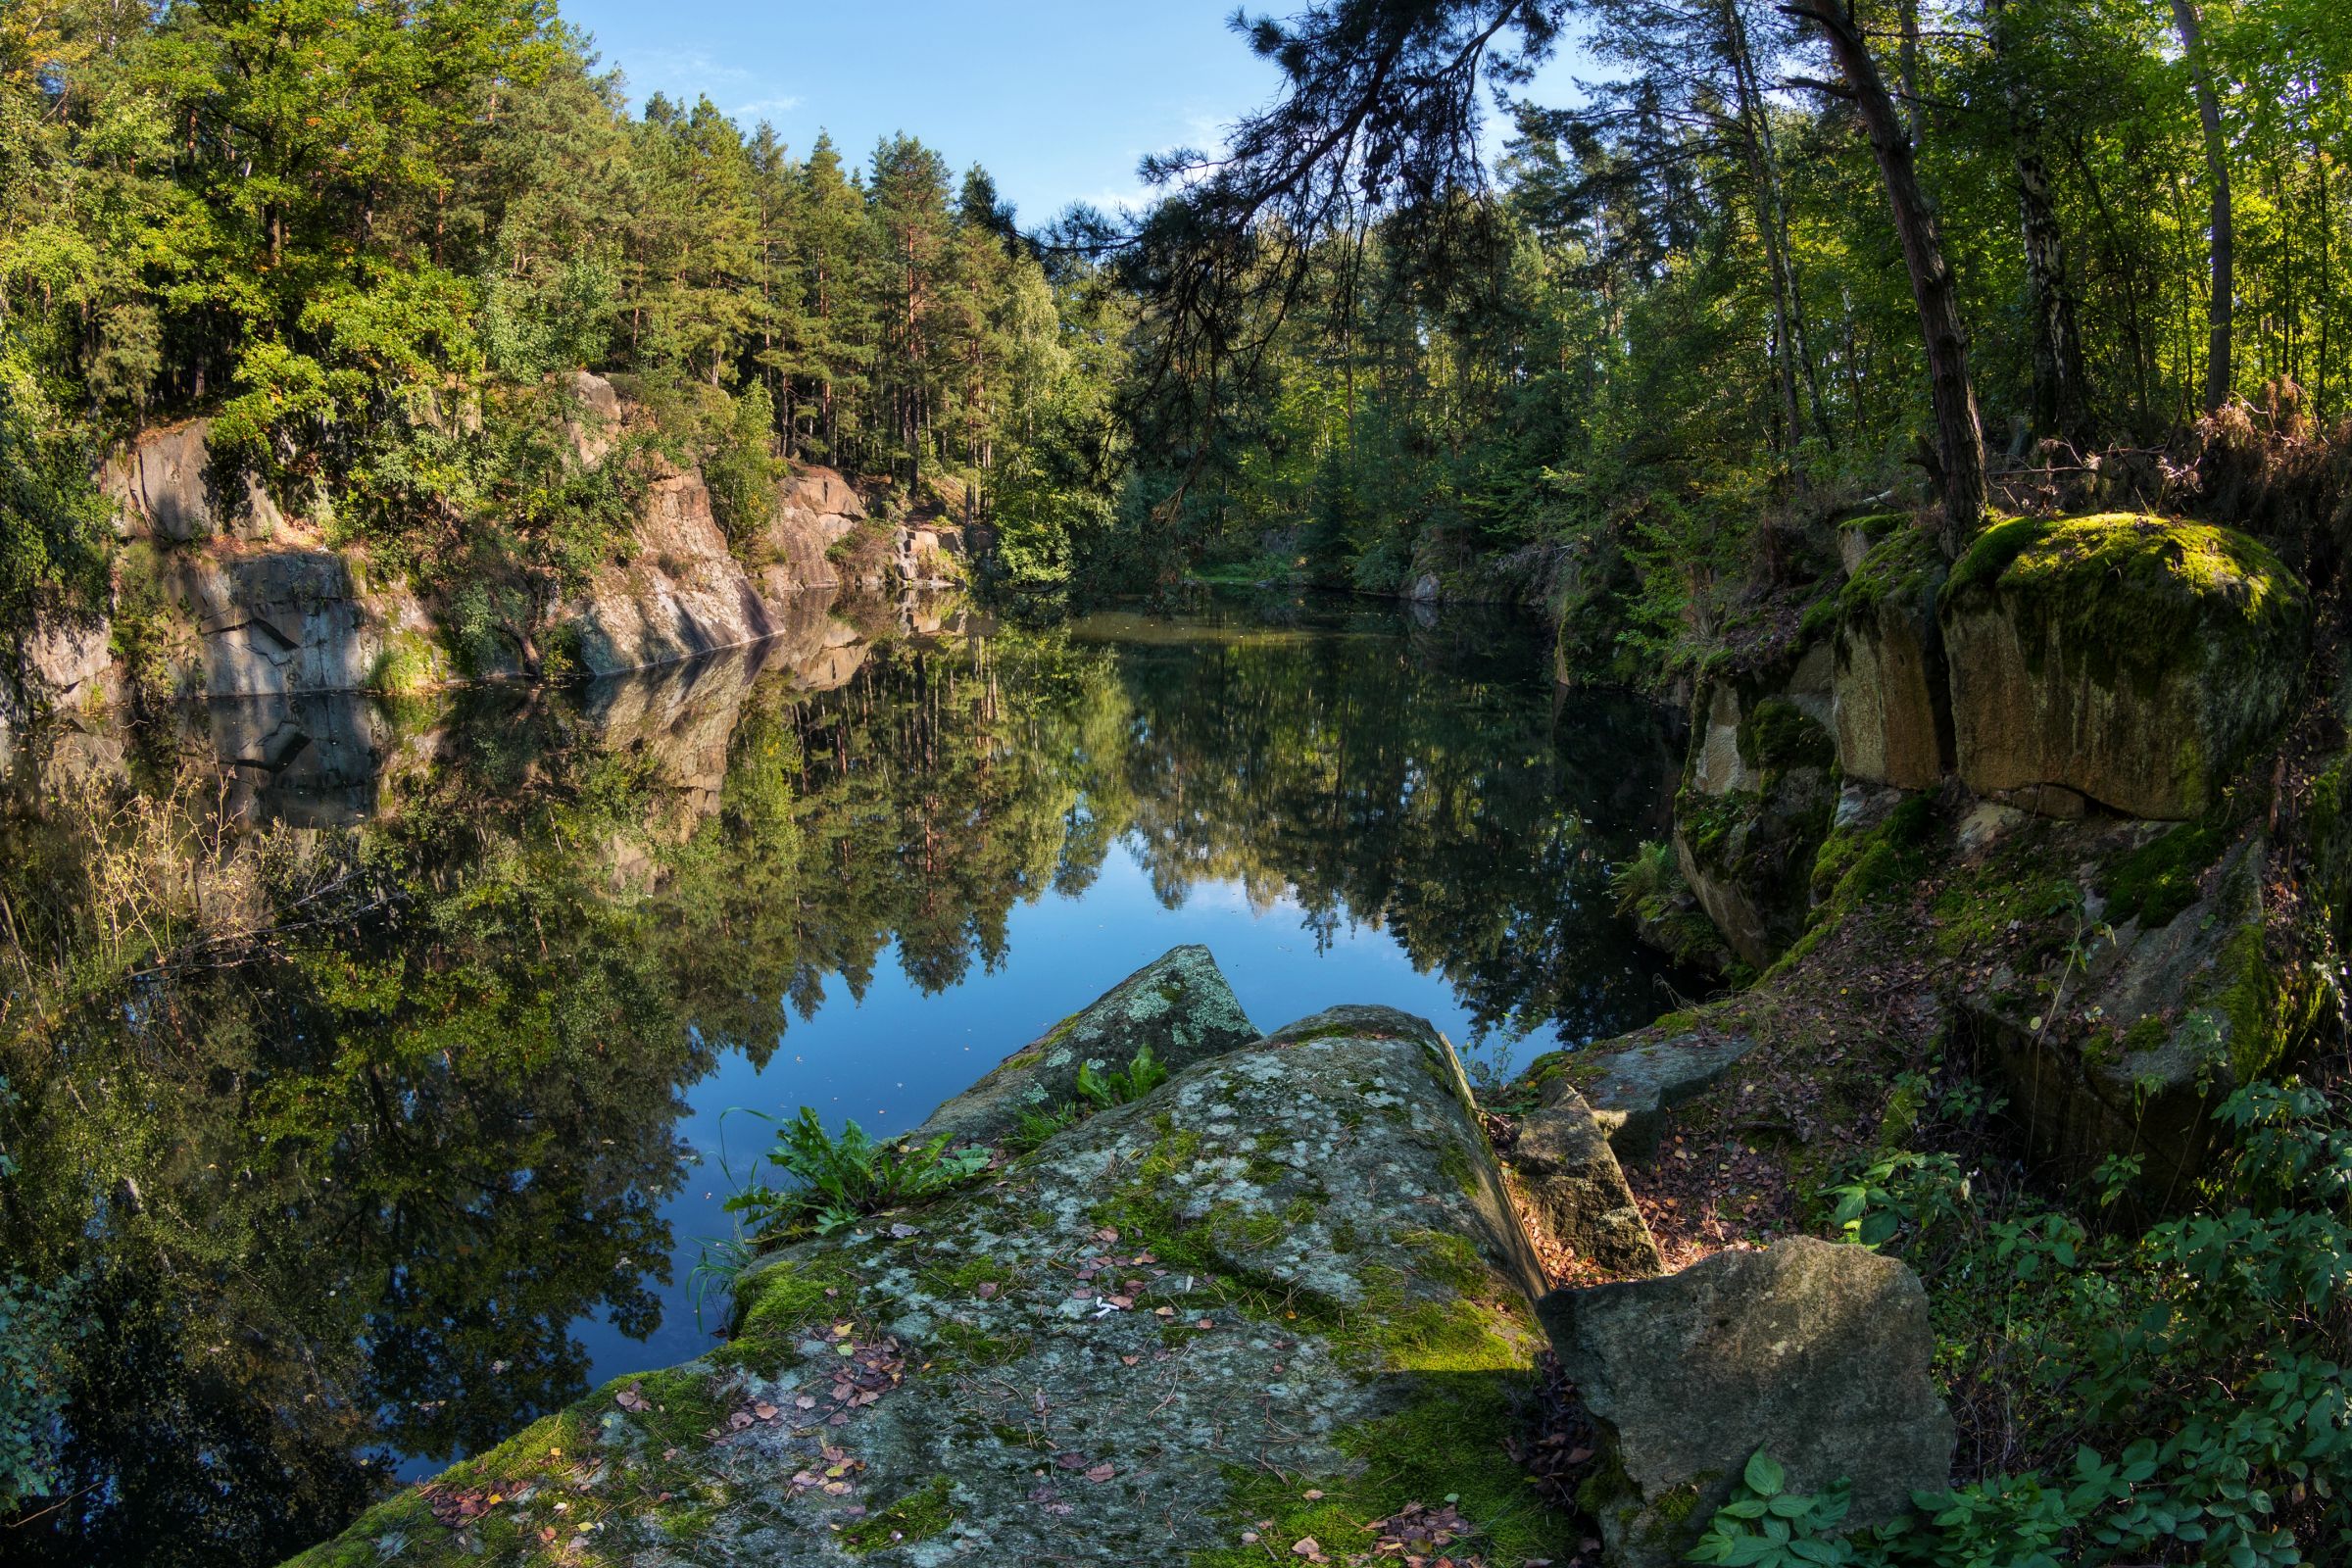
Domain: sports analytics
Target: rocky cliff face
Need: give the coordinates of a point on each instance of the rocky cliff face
(1756, 801)
(2119, 671)
(680, 594)
(239, 600)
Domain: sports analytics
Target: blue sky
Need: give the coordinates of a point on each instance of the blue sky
(1057, 98)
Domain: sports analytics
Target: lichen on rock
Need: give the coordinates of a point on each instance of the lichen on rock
(1286, 1285)
(1178, 1007)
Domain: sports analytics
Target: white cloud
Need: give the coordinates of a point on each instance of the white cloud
(759, 109)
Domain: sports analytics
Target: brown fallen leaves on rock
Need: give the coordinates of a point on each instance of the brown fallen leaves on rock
(455, 1510)
(1413, 1531)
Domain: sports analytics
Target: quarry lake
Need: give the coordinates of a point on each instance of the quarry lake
(492, 989)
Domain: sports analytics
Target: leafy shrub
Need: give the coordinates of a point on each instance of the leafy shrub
(841, 1180)
(742, 470)
(1645, 882)
(1143, 1075)
(2180, 1390)
(1765, 1526)
(35, 1321)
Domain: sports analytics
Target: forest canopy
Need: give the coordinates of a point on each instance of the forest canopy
(1612, 352)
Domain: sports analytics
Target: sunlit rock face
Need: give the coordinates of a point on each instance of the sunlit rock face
(165, 488)
(679, 595)
(1893, 707)
(1282, 1291)
(2129, 661)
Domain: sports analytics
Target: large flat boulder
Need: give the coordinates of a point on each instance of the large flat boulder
(1178, 1005)
(2133, 660)
(1271, 1307)
(1815, 1353)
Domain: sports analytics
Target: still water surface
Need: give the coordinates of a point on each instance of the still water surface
(444, 1152)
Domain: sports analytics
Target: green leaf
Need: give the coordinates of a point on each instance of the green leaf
(1764, 1476)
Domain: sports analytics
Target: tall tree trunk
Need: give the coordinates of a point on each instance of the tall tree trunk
(1772, 216)
(1768, 221)
(1959, 436)
(2051, 299)
(2218, 376)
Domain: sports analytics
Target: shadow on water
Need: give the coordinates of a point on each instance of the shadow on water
(378, 1137)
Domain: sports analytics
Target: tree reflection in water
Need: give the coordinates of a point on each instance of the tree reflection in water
(331, 1142)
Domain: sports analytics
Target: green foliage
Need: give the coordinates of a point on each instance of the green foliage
(742, 472)
(1643, 883)
(841, 1180)
(917, 1516)
(1143, 1075)
(1095, 1092)
(38, 1323)
(53, 524)
(2187, 1378)
(1765, 1526)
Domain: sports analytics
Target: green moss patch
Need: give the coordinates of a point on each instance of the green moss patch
(1777, 735)
(917, 1516)
(1899, 570)
(1445, 1446)
(775, 1301)
(2129, 591)
(2158, 880)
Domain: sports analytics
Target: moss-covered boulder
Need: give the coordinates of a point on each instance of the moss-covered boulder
(1280, 1299)
(2124, 1044)
(1178, 1007)
(1815, 1353)
(2134, 660)
(1745, 830)
(1894, 714)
